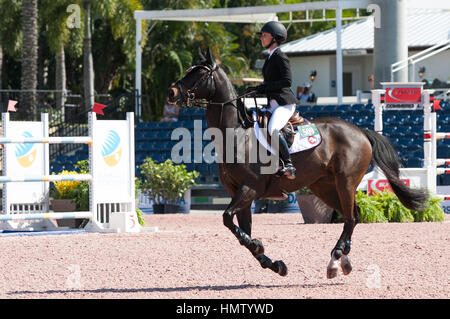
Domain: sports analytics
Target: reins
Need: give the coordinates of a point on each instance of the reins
(222, 104)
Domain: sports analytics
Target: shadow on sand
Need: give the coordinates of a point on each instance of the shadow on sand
(168, 289)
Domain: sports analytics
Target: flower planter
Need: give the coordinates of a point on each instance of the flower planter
(314, 210)
(260, 206)
(172, 209)
(66, 205)
(169, 209)
(183, 206)
(288, 205)
(164, 182)
(158, 208)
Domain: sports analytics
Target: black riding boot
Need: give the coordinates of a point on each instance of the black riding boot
(287, 168)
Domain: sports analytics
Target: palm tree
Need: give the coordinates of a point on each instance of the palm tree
(88, 64)
(53, 18)
(120, 16)
(172, 46)
(10, 31)
(28, 107)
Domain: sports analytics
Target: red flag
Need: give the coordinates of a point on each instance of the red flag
(436, 105)
(11, 104)
(98, 108)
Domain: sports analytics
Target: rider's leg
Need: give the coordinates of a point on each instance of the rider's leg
(280, 117)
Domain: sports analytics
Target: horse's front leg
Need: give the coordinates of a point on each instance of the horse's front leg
(240, 205)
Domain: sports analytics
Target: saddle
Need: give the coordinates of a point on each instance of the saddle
(288, 130)
(263, 118)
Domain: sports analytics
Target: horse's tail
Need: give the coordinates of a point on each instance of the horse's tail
(385, 157)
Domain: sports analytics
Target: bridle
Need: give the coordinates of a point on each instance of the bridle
(190, 97)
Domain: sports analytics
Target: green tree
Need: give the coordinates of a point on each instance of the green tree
(88, 63)
(10, 31)
(171, 48)
(114, 31)
(247, 43)
(61, 33)
(119, 14)
(28, 108)
(106, 46)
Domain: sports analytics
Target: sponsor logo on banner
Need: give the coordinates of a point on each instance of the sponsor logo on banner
(380, 185)
(403, 95)
(26, 153)
(111, 149)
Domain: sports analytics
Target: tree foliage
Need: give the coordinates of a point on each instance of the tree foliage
(169, 47)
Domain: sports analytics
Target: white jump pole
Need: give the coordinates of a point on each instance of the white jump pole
(378, 123)
(65, 215)
(436, 162)
(378, 108)
(48, 140)
(429, 142)
(46, 178)
(112, 203)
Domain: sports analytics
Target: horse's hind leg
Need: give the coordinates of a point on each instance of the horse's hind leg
(346, 265)
(240, 205)
(346, 191)
(326, 190)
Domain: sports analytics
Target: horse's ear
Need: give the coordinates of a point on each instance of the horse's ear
(210, 58)
(201, 56)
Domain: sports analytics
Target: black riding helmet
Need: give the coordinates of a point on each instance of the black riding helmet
(276, 29)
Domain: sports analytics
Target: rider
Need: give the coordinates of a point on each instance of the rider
(277, 86)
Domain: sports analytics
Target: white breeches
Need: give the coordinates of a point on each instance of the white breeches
(280, 115)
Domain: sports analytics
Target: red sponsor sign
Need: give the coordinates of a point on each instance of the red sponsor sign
(374, 185)
(403, 95)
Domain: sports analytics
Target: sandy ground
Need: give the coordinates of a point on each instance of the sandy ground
(195, 256)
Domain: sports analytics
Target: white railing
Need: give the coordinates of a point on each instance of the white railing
(413, 59)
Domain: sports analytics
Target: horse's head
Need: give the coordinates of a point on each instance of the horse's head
(198, 83)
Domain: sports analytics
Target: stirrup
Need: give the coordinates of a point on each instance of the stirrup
(287, 170)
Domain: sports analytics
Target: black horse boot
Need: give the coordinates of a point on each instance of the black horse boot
(288, 168)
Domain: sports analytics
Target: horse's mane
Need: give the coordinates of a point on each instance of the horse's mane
(227, 83)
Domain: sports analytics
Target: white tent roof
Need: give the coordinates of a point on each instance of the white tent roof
(425, 28)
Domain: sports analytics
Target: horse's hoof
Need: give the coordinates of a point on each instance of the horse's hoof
(346, 265)
(332, 268)
(282, 268)
(331, 273)
(256, 247)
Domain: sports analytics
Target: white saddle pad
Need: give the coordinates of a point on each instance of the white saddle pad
(309, 137)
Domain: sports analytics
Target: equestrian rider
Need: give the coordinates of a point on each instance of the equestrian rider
(277, 86)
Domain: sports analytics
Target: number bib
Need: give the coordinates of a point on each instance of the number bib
(307, 130)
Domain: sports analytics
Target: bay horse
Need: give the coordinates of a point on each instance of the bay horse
(332, 170)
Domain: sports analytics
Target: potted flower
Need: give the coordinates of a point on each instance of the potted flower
(64, 194)
(166, 185)
(313, 209)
